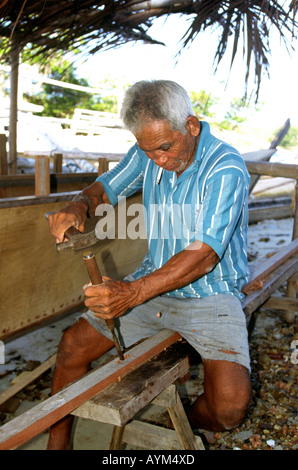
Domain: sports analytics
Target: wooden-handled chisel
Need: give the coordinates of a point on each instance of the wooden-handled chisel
(95, 278)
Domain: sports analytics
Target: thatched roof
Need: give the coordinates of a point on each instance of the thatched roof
(52, 25)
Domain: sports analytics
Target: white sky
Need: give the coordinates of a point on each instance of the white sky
(194, 70)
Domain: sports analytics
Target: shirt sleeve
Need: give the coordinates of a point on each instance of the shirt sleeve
(125, 178)
(221, 208)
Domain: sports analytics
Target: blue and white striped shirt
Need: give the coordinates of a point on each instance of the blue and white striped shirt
(207, 203)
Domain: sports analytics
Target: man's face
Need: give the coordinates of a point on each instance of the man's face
(170, 149)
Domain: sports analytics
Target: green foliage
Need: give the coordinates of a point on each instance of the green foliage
(290, 139)
(61, 102)
(202, 103)
(106, 103)
(235, 114)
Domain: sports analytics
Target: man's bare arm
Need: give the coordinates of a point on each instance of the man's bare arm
(181, 270)
(113, 298)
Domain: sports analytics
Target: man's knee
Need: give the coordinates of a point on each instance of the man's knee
(74, 344)
(227, 393)
(231, 409)
(81, 344)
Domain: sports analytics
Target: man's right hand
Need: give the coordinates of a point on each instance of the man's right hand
(74, 214)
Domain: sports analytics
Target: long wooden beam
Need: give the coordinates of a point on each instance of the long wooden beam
(265, 266)
(28, 425)
(275, 279)
(284, 170)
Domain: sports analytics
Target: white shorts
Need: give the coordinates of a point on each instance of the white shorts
(212, 325)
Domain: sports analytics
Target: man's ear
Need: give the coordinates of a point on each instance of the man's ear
(193, 125)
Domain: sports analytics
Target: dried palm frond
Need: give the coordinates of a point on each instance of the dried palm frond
(251, 19)
(51, 25)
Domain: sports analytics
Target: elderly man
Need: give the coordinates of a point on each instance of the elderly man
(193, 276)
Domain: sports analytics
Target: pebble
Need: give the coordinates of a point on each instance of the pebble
(244, 435)
(271, 442)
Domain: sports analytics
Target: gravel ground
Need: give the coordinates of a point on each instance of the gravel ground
(271, 422)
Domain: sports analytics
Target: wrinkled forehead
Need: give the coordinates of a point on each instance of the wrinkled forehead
(152, 126)
(156, 132)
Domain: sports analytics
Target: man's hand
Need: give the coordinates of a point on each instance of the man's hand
(111, 299)
(73, 214)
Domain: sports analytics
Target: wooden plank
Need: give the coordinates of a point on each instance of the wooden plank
(24, 185)
(149, 436)
(50, 283)
(264, 155)
(31, 423)
(274, 280)
(276, 211)
(27, 379)
(282, 303)
(24, 201)
(265, 266)
(73, 155)
(285, 170)
(167, 398)
(120, 402)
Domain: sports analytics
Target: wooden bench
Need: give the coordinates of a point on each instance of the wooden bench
(117, 391)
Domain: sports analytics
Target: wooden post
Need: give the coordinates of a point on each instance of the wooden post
(42, 175)
(295, 226)
(103, 166)
(13, 114)
(58, 157)
(3, 155)
(293, 281)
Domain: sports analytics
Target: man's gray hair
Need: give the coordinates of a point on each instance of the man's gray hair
(156, 100)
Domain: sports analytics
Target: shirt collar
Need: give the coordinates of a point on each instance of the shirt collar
(204, 135)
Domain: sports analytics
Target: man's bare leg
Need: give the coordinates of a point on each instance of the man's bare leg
(226, 397)
(80, 345)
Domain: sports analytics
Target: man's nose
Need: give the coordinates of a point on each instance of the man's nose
(159, 158)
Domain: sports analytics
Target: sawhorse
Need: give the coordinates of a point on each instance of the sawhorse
(153, 382)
